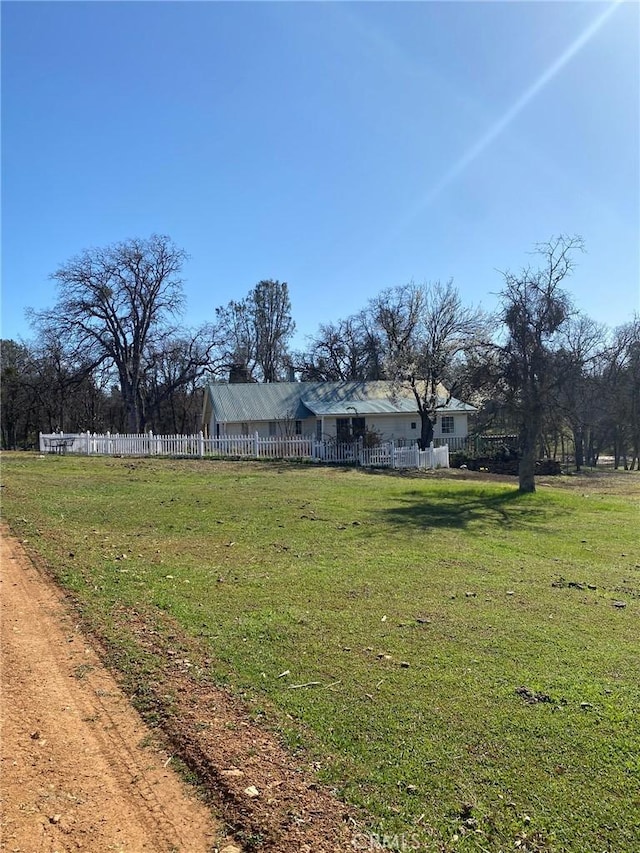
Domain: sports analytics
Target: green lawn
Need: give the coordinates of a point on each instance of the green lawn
(421, 604)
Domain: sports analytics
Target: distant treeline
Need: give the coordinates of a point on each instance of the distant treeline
(112, 355)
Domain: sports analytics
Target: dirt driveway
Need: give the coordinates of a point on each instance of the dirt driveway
(77, 770)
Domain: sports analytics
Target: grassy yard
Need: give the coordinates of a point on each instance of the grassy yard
(477, 651)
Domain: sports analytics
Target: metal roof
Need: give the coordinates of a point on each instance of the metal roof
(356, 408)
(249, 402)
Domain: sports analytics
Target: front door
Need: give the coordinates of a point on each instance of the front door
(343, 429)
(357, 427)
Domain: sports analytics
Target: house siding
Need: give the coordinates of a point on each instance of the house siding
(392, 427)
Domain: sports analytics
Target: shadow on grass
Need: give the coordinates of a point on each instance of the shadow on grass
(460, 508)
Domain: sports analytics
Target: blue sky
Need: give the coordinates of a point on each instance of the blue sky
(341, 147)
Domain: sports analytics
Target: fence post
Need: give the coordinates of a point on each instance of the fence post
(88, 440)
(41, 442)
(200, 444)
(256, 444)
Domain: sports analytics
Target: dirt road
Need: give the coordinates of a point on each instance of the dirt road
(77, 770)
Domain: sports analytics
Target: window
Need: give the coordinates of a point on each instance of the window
(413, 425)
(298, 427)
(319, 430)
(272, 429)
(447, 425)
(244, 428)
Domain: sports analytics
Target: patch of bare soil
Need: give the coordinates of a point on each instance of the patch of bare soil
(270, 801)
(597, 481)
(78, 771)
(75, 773)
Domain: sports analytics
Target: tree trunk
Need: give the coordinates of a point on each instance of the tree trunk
(616, 451)
(526, 471)
(426, 431)
(131, 414)
(578, 446)
(527, 467)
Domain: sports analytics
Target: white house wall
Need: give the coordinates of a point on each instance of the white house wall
(407, 427)
(262, 428)
(460, 427)
(396, 427)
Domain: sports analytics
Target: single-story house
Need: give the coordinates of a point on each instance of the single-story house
(325, 410)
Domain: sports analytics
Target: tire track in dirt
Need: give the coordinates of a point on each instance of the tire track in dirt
(74, 768)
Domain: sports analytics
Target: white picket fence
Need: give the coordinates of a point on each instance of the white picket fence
(388, 456)
(385, 455)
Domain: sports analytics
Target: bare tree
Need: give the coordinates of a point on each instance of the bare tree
(16, 409)
(255, 333)
(170, 387)
(44, 388)
(535, 309)
(237, 341)
(118, 305)
(428, 335)
(621, 390)
(349, 350)
(579, 360)
(274, 327)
